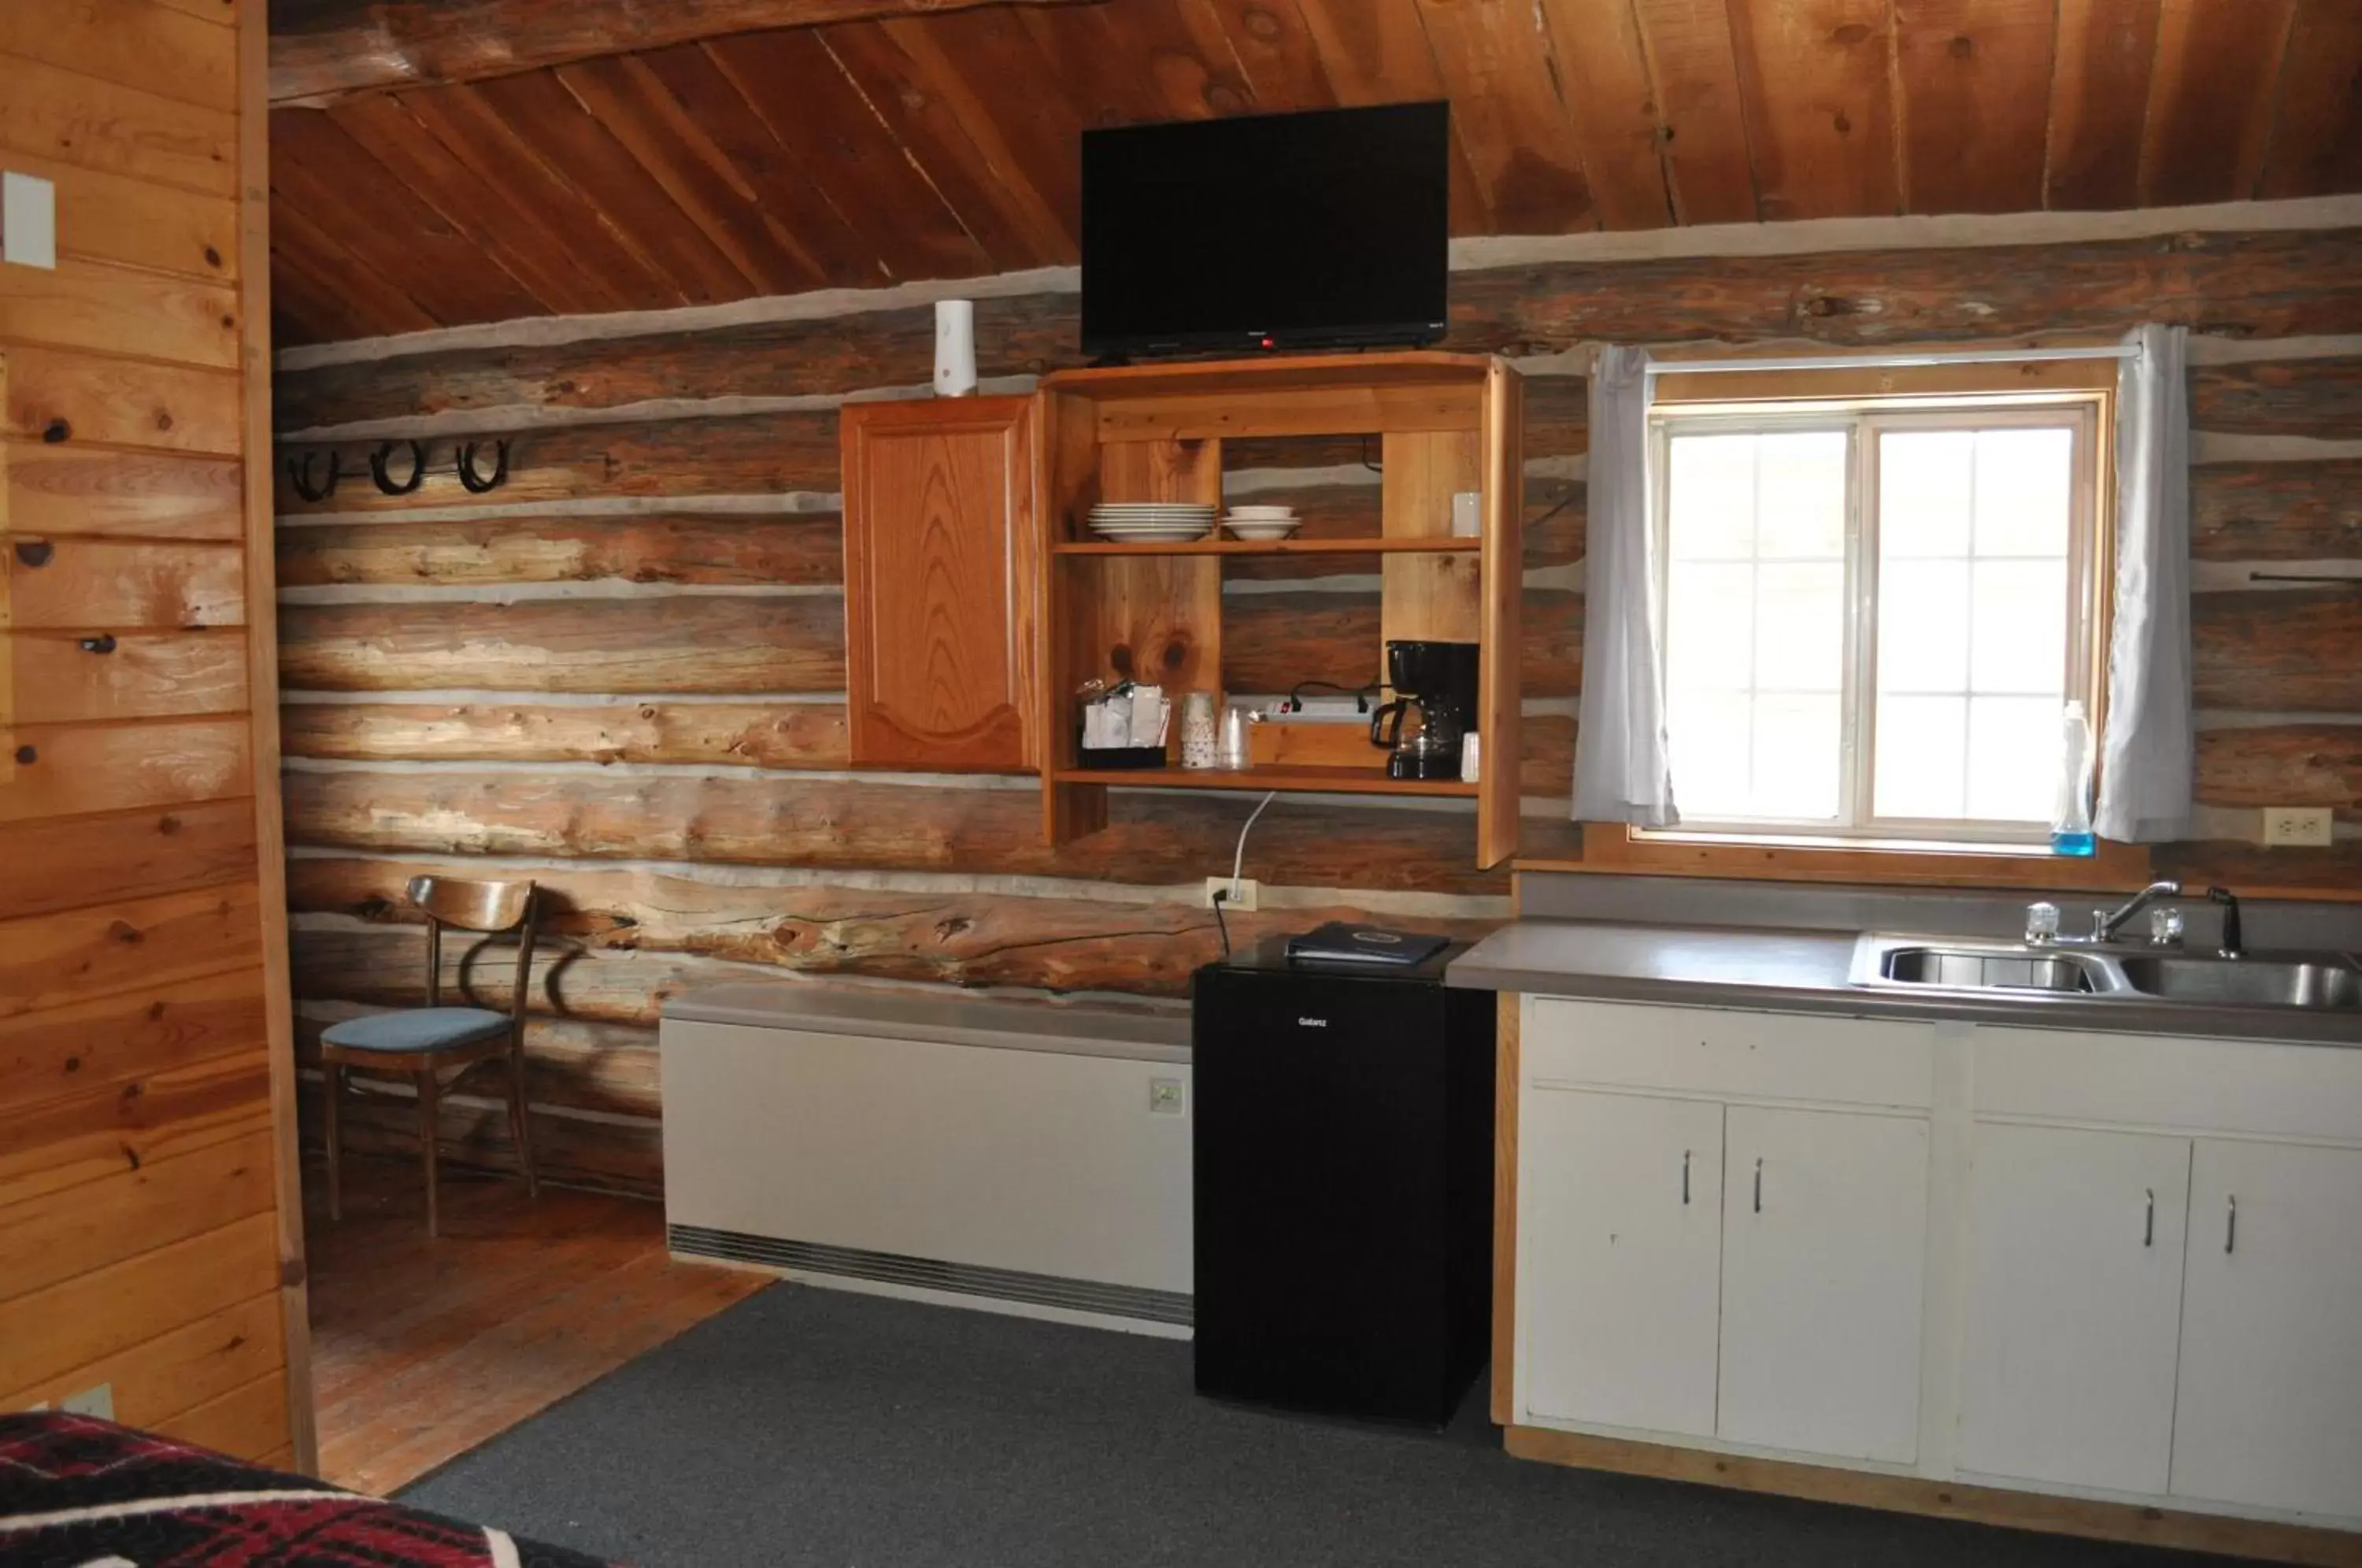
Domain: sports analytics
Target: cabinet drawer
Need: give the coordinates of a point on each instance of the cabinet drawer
(1745, 1056)
(2213, 1085)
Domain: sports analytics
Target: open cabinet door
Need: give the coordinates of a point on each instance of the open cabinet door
(1499, 682)
(7, 663)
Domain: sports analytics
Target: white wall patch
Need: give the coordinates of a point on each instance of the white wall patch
(29, 221)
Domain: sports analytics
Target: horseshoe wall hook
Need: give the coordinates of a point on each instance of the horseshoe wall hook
(299, 474)
(385, 480)
(477, 484)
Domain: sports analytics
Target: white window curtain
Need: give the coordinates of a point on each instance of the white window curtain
(2149, 759)
(1622, 772)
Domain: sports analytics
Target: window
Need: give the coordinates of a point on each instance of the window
(1874, 610)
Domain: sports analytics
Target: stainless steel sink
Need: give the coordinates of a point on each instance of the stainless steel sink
(2261, 981)
(2012, 969)
(2073, 974)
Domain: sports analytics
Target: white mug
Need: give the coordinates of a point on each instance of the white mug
(955, 347)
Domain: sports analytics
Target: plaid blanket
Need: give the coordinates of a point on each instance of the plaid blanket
(80, 1493)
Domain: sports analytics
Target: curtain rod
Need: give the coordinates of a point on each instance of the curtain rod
(1888, 362)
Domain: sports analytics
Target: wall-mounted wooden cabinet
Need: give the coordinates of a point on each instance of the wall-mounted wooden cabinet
(1442, 422)
(941, 573)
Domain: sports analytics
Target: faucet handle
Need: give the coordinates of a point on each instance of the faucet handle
(2165, 926)
(2041, 923)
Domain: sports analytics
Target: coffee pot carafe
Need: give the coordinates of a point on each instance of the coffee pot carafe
(1438, 679)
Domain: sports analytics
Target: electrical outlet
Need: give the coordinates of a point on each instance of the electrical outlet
(1165, 1096)
(98, 1402)
(1244, 899)
(2296, 824)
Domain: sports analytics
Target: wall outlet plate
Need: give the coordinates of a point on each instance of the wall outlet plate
(1166, 1097)
(2297, 824)
(98, 1401)
(29, 221)
(1248, 888)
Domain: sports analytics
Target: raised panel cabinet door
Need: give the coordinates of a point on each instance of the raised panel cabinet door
(1825, 1236)
(1618, 1258)
(2270, 1408)
(939, 569)
(2073, 1312)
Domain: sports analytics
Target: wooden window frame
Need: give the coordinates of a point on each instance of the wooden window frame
(1880, 397)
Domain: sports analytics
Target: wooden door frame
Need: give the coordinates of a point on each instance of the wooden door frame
(262, 680)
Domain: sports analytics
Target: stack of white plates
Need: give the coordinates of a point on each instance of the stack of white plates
(1151, 521)
(1262, 523)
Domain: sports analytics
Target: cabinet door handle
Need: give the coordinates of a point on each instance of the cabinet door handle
(1685, 1178)
(1758, 1184)
(2231, 1223)
(2148, 1226)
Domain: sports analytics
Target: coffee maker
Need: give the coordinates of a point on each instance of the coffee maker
(1440, 680)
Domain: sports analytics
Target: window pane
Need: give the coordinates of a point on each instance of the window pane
(2013, 758)
(1973, 533)
(1710, 626)
(1755, 622)
(1796, 757)
(1710, 497)
(2018, 632)
(1921, 768)
(1711, 738)
(2025, 491)
(1802, 510)
(1800, 627)
(1923, 627)
(1925, 498)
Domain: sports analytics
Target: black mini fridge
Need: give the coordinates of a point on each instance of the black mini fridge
(1343, 1183)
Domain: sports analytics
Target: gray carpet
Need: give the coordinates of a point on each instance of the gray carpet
(814, 1427)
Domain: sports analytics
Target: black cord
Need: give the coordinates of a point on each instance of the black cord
(1563, 503)
(1221, 894)
(1374, 467)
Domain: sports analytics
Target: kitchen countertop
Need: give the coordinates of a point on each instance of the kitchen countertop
(1808, 971)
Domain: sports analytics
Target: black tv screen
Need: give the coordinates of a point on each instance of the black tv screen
(1271, 231)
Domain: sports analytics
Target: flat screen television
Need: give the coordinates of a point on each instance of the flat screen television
(1314, 230)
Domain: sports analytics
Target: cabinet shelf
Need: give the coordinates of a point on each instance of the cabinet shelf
(1333, 780)
(1432, 544)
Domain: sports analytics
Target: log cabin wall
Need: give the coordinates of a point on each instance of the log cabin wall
(149, 1215)
(623, 674)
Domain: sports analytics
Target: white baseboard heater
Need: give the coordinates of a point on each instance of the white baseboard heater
(1022, 1156)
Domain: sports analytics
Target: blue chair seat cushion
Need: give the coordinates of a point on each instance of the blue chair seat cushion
(418, 1029)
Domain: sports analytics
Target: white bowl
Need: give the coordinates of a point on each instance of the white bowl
(1259, 529)
(1263, 514)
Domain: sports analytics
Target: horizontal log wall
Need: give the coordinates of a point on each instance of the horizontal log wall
(623, 674)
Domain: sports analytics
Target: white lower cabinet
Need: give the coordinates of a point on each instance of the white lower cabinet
(1622, 1199)
(1825, 1225)
(2073, 1314)
(2269, 1407)
(2150, 1252)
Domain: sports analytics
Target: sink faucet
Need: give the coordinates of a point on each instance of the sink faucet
(2106, 923)
(2234, 945)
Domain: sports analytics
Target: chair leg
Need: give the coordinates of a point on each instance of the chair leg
(332, 1115)
(519, 1123)
(430, 1093)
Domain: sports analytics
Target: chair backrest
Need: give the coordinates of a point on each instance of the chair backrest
(488, 907)
(472, 906)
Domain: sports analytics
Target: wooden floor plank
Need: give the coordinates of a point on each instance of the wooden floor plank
(424, 1349)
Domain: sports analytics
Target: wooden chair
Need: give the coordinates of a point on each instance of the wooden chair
(423, 1041)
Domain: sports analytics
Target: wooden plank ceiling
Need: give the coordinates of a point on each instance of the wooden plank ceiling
(944, 144)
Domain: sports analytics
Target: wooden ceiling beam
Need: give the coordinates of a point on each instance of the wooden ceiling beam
(323, 50)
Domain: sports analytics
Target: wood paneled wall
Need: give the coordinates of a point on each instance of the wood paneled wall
(623, 674)
(149, 1221)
